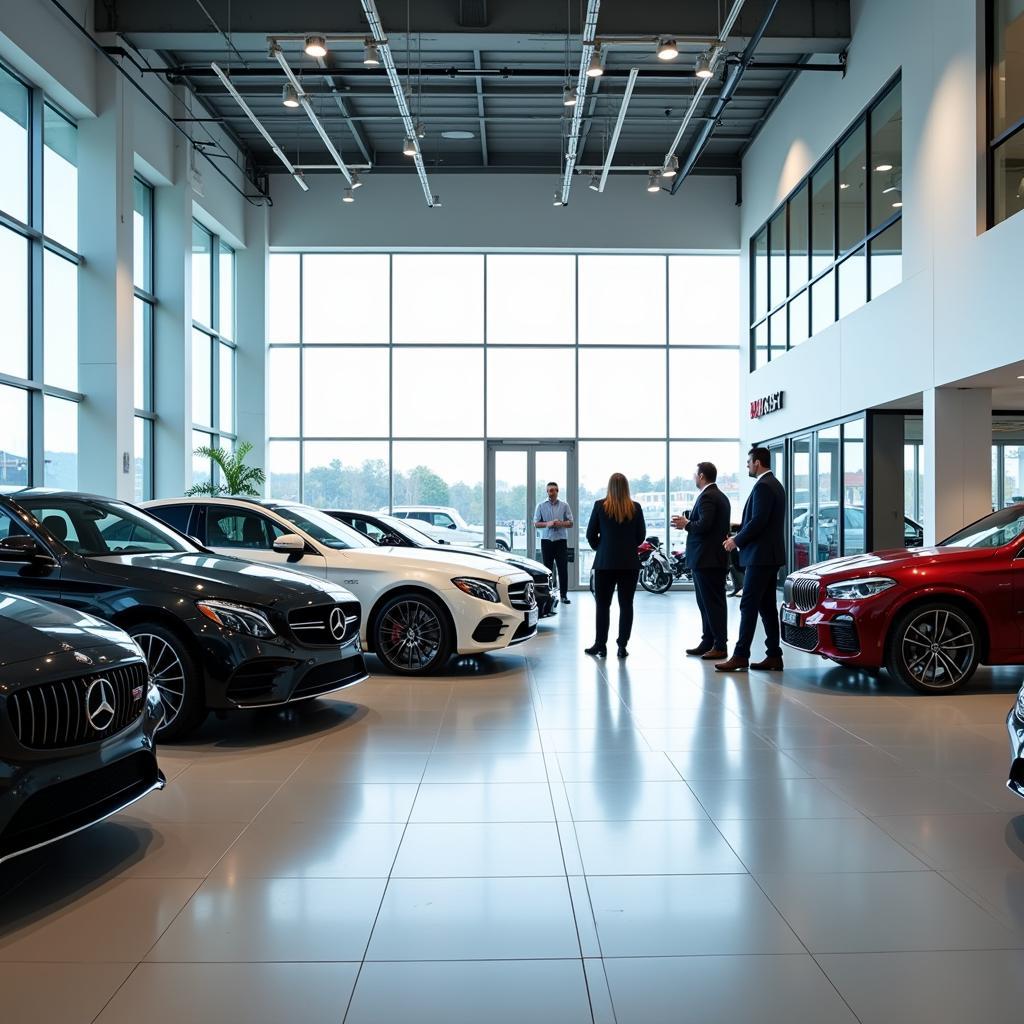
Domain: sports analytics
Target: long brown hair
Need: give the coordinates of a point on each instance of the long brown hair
(618, 504)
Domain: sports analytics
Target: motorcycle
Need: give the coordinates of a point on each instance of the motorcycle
(659, 570)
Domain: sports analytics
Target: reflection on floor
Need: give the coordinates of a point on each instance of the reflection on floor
(541, 837)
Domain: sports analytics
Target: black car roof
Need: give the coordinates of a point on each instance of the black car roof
(53, 492)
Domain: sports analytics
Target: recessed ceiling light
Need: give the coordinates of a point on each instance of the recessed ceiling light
(456, 134)
(884, 167)
(316, 46)
(667, 48)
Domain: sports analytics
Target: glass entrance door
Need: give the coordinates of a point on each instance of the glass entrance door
(517, 477)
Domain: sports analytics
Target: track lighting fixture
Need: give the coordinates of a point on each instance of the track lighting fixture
(421, 131)
(897, 200)
(569, 98)
(596, 69)
(371, 58)
(652, 182)
(289, 97)
(557, 201)
(703, 68)
(356, 180)
(316, 46)
(437, 201)
(667, 48)
(347, 197)
(595, 183)
(671, 169)
(409, 148)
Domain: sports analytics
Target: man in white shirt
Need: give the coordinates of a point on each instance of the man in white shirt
(554, 520)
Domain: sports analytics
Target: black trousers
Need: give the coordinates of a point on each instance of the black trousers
(759, 598)
(709, 589)
(606, 581)
(556, 553)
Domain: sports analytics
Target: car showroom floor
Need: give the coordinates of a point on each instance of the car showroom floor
(541, 837)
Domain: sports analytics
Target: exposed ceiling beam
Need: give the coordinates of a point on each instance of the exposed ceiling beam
(587, 51)
(480, 110)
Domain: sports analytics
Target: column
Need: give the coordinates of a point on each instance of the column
(251, 333)
(105, 295)
(886, 500)
(957, 459)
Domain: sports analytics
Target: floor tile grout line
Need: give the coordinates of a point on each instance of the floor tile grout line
(394, 861)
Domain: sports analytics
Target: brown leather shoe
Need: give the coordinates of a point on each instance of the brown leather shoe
(734, 664)
(768, 665)
(715, 654)
(697, 652)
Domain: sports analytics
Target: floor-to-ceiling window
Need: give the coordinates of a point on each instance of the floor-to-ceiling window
(145, 303)
(1006, 109)
(388, 372)
(213, 348)
(39, 393)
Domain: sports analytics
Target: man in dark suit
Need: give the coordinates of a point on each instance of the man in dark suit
(761, 542)
(706, 528)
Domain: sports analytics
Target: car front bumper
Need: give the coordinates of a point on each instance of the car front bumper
(247, 672)
(47, 795)
(1015, 728)
(851, 632)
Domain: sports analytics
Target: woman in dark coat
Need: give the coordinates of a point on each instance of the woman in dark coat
(615, 531)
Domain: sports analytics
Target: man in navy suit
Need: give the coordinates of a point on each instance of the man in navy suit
(761, 542)
(706, 528)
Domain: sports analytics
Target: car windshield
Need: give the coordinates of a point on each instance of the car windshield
(993, 531)
(94, 527)
(323, 528)
(406, 529)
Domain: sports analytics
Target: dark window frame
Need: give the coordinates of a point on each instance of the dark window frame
(993, 143)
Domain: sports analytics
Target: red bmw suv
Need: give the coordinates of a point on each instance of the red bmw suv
(928, 615)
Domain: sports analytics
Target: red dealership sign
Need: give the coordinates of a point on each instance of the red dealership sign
(766, 405)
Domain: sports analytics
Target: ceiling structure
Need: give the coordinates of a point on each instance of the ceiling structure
(492, 71)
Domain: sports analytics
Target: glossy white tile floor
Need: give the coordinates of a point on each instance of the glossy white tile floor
(541, 837)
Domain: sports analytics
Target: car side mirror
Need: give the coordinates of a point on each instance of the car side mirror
(290, 544)
(21, 550)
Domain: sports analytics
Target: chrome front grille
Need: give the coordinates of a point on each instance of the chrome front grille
(522, 595)
(801, 592)
(325, 625)
(71, 712)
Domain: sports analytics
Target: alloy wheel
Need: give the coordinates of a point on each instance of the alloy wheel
(166, 671)
(938, 648)
(410, 635)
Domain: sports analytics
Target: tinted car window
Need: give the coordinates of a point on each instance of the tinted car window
(174, 515)
(10, 527)
(443, 519)
(232, 528)
(321, 527)
(372, 530)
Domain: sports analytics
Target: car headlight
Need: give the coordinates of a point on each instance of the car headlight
(238, 618)
(851, 590)
(477, 588)
(1019, 709)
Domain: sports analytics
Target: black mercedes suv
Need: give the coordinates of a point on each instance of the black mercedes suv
(78, 717)
(216, 632)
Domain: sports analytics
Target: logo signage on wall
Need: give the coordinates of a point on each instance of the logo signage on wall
(766, 405)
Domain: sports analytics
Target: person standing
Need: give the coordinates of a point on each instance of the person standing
(554, 519)
(761, 542)
(616, 529)
(706, 528)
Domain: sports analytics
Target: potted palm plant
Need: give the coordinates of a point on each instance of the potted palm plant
(237, 478)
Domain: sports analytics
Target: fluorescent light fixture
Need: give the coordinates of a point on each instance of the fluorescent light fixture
(704, 69)
(289, 97)
(667, 48)
(258, 124)
(371, 58)
(595, 182)
(569, 98)
(595, 69)
(652, 182)
(456, 133)
(409, 146)
(316, 46)
(347, 197)
(884, 167)
(671, 169)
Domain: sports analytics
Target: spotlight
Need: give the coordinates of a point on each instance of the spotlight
(595, 183)
(569, 98)
(557, 201)
(703, 69)
(652, 182)
(356, 181)
(884, 167)
(595, 70)
(289, 97)
(370, 56)
(843, 185)
(437, 201)
(420, 130)
(347, 197)
(409, 147)
(897, 200)
(671, 169)
(667, 48)
(316, 46)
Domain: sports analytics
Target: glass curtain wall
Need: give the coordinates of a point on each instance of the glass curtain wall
(39, 393)
(213, 348)
(837, 241)
(1006, 109)
(145, 303)
(387, 373)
